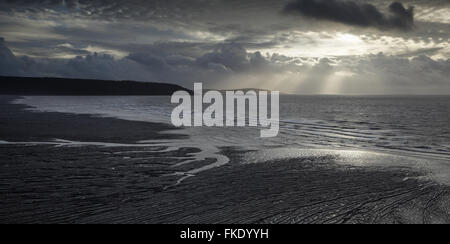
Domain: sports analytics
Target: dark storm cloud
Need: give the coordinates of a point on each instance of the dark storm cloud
(109, 9)
(232, 65)
(354, 13)
(9, 65)
(255, 24)
(163, 63)
(92, 66)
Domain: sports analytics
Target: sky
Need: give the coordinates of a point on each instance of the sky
(352, 47)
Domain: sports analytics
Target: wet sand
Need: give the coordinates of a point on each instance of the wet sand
(134, 184)
(18, 124)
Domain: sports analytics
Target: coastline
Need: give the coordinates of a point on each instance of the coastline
(131, 184)
(19, 124)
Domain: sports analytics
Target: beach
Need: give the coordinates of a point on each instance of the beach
(68, 168)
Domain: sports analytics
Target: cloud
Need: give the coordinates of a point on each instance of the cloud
(93, 66)
(232, 66)
(9, 65)
(164, 63)
(36, 28)
(354, 13)
(393, 75)
(111, 9)
(212, 67)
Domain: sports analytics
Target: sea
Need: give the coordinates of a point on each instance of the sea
(376, 131)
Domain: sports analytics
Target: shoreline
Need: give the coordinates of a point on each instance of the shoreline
(19, 124)
(130, 184)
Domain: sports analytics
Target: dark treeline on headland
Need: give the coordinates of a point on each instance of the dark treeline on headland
(80, 87)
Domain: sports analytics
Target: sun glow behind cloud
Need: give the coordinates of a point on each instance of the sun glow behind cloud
(340, 44)
(315, 44)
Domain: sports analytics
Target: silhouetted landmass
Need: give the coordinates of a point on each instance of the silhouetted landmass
(80, 87)
(245, 90)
